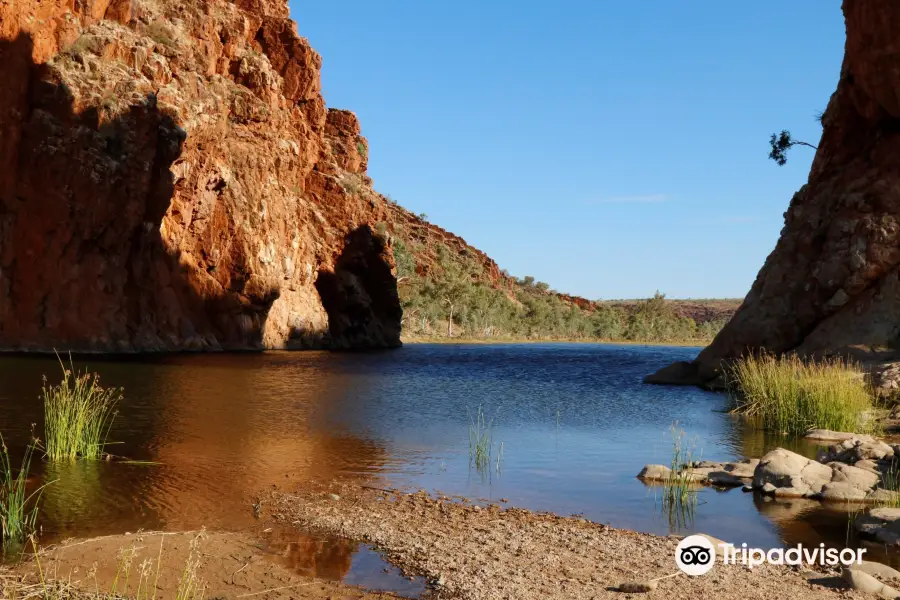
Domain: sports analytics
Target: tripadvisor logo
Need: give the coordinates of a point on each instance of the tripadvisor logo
(696, 555)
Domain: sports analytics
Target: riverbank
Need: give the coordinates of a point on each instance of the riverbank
(503, 341)
(489, 552)
(217, 564)
(465, 550)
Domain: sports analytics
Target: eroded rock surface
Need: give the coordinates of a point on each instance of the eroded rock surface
(170, 179)
(832, 283)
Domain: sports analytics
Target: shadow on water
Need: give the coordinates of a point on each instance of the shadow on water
(575, 422)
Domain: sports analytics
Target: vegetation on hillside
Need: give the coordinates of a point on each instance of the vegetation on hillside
(453, 298)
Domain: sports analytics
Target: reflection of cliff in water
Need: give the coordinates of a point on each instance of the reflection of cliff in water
(224, 428)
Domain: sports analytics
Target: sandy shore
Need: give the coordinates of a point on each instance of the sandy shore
(489, 553)
(219, 565)
(465, 551)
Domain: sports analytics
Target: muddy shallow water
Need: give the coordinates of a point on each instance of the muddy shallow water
(575, 422)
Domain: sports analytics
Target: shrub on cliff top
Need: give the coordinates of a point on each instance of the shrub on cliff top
(77, 415)
(792, 396)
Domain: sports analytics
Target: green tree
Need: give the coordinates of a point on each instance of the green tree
(781, 143)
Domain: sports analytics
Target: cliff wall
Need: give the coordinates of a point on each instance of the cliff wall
(170, 179)
(832, 283)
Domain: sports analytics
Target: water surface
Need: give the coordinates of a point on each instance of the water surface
(575, 422)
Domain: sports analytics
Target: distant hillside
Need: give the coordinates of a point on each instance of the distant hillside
(439, 274)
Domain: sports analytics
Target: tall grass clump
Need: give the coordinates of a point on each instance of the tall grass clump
(679, 489)
(480, 439)
(18, 508)
(77, 415)
(792, 396)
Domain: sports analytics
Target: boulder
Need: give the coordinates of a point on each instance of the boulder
(655, 473)
(791, 475)
(842, 491)
(859, 478)
(826, 435)
(862, 581)
(876, 569)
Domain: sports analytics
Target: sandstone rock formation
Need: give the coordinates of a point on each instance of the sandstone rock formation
(170, 179)
(832, 284)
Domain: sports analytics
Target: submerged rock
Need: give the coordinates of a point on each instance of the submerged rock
(655, 473)
(826, 435)
(721, 474)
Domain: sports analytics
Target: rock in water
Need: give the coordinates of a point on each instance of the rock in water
(832, 283)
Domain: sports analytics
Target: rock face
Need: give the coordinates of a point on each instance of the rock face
(832, 283)
(170, 179)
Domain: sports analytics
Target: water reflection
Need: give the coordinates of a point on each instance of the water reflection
(575, 422)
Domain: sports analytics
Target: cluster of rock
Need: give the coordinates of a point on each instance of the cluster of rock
(719, 474)
(850, 470)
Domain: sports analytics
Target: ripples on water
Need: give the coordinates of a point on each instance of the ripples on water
(575, 421)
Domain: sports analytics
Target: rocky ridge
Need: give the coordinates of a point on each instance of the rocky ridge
(832, 283)
(170, 179)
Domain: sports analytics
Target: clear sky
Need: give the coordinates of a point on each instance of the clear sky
(609, 148)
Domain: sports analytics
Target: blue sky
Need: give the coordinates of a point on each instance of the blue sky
(608, 148)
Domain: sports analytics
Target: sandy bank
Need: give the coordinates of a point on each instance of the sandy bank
(490, 553)
(223, 565)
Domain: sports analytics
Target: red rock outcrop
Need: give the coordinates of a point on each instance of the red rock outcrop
(170, 179)
(832, 284)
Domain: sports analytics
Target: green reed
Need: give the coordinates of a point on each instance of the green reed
(679, 497)
(18, 508)
(792, 396)
(78, 414)
(890, 480)
(480, 439)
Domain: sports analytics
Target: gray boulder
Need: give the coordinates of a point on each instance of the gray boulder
(792, 475)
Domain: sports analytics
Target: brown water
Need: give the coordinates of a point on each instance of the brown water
(575, 422)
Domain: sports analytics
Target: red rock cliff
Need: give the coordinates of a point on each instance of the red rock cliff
(832, 284)
(171, 179)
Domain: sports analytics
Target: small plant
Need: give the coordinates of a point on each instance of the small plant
(679, 493)
(480, 440)
(792, 396)
(18, 508)
(78, 414)
(190, 586)
(361, 148)
(162, 32)
(84, 43)
(890, 480)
